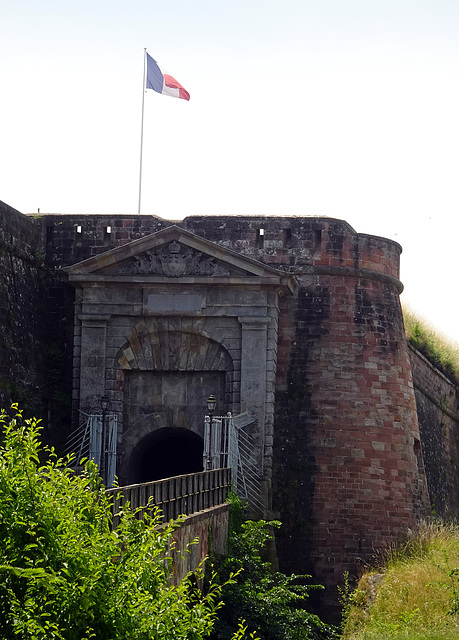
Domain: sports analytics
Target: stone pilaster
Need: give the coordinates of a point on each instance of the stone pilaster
(92, 371)
(253, 372)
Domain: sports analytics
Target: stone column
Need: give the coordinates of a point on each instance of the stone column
(92, 367)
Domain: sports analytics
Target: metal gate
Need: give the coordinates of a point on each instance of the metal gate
(96, 439)
(231, 446)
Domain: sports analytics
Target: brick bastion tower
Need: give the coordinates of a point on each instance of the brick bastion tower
(348, 475)
(296, 320)
(348, 470)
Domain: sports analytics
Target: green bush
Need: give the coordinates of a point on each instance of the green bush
(270, 602)
(65, 575)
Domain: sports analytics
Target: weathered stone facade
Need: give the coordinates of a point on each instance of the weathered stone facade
(166, 320)
(296, 320)
(22, 312)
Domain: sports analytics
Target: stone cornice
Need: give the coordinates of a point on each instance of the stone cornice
(145, 281)
(351, 272)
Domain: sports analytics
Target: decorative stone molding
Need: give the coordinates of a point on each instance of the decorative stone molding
(162, 348)
(173, 261)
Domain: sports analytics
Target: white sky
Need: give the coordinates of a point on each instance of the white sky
(345, 108)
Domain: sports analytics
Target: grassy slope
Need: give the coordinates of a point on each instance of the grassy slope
(442, 352)
(413, 594)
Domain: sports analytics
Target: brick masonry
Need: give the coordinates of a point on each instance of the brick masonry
(358, 430)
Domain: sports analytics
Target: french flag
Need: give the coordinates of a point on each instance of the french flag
(159, 80)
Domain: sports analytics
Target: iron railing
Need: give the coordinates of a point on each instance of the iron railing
(181, 495)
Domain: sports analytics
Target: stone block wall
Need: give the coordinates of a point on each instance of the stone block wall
(210, 528)
(436, 401)
(289, 243)
(23, 311)
(73, 238)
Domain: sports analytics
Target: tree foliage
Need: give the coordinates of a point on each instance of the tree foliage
(65, 574)
(271, 603)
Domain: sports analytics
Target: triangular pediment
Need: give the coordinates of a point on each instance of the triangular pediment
(171, 253)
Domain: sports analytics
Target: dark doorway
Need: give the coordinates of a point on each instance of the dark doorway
(165, 453)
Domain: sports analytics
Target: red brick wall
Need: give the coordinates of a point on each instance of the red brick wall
(348, 475)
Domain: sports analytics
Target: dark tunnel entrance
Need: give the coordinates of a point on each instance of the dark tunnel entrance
(165, 453)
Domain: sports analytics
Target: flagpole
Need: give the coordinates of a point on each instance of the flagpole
(141, 128)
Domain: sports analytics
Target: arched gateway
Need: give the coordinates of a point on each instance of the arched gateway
(162, 323)
(165, 372)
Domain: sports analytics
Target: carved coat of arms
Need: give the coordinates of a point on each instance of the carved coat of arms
(174, 262)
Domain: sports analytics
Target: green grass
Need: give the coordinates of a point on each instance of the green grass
(442, 352)
(445, 634)
(412, 593)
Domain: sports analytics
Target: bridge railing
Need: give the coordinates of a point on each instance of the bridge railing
(180, 495)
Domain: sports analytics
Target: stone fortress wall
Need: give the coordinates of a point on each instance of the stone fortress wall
(23, 293)
(363, 440)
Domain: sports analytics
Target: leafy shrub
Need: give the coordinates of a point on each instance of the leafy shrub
(65, 575)
(270, 602)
